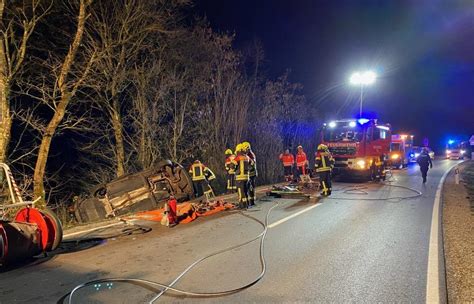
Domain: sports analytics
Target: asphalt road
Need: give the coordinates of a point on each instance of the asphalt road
(328, 251)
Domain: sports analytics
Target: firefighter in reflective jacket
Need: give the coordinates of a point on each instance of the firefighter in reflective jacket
(252, 173)
(301, 161)
(230, 165)
(288, 160)
(201, 175)
(324, 164)
(242, 176)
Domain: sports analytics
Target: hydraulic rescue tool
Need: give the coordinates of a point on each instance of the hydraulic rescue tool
(31, 231)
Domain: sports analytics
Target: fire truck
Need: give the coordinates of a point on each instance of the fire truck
(400, 149)
(360, 147)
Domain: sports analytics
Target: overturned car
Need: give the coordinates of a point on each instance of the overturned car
(145, 190)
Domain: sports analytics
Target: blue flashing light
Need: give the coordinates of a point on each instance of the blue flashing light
(450, 141)
(363, 121)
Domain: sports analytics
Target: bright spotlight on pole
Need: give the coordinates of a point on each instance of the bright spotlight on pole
(362, 79)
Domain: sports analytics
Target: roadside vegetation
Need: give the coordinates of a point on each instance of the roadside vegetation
(94, 89)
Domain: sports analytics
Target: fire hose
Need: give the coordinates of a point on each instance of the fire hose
(170, 287)
(167, 287)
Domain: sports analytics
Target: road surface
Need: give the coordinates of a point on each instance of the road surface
(332, 251)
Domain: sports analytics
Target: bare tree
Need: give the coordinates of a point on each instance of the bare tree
(18, 20)
(121, 31)
(55, 87)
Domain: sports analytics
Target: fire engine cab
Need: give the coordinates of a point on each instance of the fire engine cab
(360, 147)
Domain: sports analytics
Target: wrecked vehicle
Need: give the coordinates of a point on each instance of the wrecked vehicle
(145, 190)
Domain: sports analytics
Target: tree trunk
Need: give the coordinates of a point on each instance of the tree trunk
(60, 110)
(5, 118)
(119, 145)
(43, 152)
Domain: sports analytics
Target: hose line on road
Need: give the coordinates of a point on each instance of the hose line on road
(165, 287)
(362, 190)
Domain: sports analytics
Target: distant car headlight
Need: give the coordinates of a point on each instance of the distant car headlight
(361, 164)
(417, 154)
(463, 151)
(395, 156)
(448, 151)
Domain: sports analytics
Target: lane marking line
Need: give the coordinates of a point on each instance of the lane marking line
(432, 275)
(292, 216)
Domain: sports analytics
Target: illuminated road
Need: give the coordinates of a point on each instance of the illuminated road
(338, 250)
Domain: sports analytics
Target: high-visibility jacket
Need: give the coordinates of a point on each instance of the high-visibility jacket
(243, 167)
(288, 160)
(301, 159)
(324, 161)
(230, 164)
(253, 163)
(200, 172)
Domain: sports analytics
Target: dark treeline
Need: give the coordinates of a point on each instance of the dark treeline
(91, 90)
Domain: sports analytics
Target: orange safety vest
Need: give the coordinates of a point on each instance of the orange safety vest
(287, 159)
(301, 159)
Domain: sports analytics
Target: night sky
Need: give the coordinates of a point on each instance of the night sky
(423, 51)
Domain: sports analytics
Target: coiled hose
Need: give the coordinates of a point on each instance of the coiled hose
(167, 287)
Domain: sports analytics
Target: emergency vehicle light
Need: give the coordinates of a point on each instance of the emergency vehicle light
(332, 124)
(450, 141)
(363, 121)
(383, 128)
(352, 124)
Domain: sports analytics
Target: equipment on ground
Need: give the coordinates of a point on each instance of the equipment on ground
(31, 231)
(400, 150)
(360, 147)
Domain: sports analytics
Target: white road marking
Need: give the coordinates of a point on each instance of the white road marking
(292, 216)
(432, 276)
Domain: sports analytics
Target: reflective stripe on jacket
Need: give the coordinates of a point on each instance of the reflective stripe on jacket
(243, 168)
(197, 172)
(324, 162)
(230, 164)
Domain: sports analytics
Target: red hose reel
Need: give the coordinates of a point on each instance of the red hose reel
(32, 232)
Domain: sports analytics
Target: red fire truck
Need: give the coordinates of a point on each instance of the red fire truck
(360, 147)
(401, 147)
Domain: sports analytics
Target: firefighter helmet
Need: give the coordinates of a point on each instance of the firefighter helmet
(323, 147)
(245, 146)
(238, 148)
(228, 152)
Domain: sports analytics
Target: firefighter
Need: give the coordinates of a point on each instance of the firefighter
(242, 176)
(201, 175)
(301, 161)
(230, 165)
(424, 161)
(288, 160)
(323, 165)
(252, 173)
